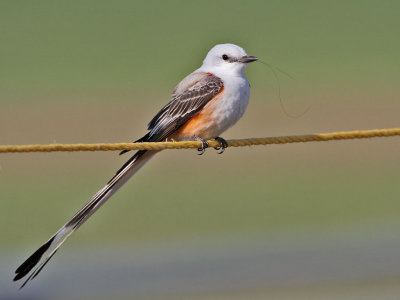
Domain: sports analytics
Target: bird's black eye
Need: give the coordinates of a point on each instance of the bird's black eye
(225, 57)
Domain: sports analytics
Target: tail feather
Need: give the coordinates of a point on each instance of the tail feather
(142, 139)
(32, 260)
(56, 241)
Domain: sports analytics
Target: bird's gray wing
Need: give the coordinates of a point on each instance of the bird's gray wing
(189, 97)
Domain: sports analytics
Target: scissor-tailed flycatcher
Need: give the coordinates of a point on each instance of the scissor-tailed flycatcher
(204, 104)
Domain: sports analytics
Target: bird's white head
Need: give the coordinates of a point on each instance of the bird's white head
(226, 58)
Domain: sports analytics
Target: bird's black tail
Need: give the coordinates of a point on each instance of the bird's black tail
(55, 242)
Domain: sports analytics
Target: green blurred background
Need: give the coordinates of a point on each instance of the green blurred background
(85, 72)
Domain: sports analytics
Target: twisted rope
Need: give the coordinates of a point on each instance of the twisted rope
(319, 137)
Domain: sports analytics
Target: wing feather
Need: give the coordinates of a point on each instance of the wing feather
(184, 105)
(189, 97)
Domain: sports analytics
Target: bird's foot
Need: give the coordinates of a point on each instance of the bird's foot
(223, 144)
(204, 145)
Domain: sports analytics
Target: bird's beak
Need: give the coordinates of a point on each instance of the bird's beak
(247, 59)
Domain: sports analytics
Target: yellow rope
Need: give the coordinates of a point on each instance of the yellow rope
(319, 137)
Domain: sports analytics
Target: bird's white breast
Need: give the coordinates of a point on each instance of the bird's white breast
(232, 104)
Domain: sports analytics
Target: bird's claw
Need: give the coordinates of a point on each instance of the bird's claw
(223, 144)
(204, 146)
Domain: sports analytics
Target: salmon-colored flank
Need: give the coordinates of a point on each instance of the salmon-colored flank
(198, 125)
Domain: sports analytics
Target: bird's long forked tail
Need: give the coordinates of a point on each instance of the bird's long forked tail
(55, 242)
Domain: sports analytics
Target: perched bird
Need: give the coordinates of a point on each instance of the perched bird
(204, 104)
